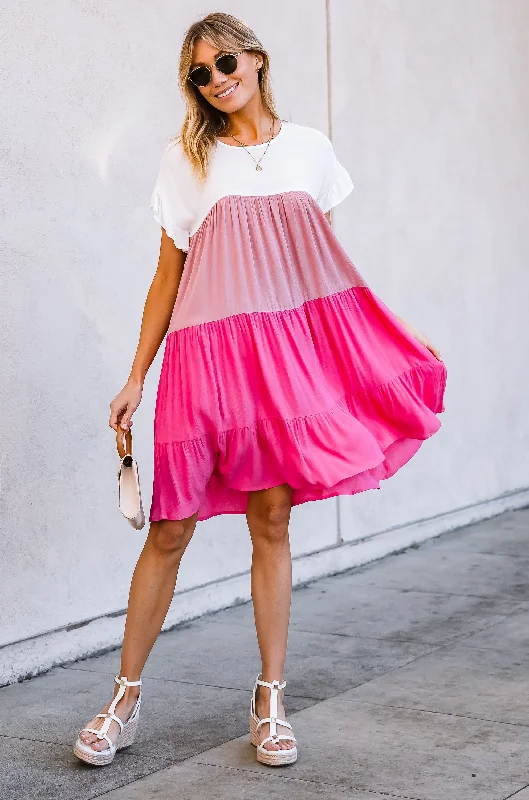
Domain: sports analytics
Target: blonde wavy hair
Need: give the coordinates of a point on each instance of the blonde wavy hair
(203, 123)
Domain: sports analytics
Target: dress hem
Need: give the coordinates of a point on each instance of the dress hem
(385, 452)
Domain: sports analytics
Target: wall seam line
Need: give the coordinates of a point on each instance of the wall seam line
(339, 539)
(329, 65)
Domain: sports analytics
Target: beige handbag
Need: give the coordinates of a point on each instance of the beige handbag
(129, 493)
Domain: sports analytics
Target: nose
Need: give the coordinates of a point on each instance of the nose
(218, 78)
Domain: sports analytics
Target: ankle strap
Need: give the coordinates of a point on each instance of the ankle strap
(122, 680)
(273, 685)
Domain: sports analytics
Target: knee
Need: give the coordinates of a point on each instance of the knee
(170, 537)
(268, 523)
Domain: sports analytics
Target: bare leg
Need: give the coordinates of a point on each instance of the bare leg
(151, 591)
(268, 516)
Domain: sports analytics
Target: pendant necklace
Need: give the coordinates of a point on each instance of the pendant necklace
(258, 167)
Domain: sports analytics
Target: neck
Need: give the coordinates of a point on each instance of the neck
(252, 123)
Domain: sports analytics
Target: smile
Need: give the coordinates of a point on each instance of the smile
(228, 91)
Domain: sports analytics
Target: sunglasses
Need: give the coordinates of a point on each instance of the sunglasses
(226, 64)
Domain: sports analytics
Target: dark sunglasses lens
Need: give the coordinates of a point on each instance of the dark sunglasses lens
(200, 76)
(227, 64)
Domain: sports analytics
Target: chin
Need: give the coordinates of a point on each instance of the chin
(239, 105)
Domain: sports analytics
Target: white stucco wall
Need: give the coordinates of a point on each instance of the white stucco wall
(428, 107)
(432, 117)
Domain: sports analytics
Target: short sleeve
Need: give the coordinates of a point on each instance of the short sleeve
(171, 196)
(336, 182)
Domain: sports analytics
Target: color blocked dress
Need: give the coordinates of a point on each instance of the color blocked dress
(280, 364)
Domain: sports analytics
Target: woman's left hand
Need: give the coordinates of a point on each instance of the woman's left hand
(422, 339)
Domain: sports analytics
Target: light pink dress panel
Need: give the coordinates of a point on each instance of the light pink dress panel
(255, 253)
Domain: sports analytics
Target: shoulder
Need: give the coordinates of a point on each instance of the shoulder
(175, 181)
(173, 159)
(310, 136)
(312, 143)
(176, 168)
(173, 149)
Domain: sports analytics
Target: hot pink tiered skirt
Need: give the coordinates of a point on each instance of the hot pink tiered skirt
(330, 395)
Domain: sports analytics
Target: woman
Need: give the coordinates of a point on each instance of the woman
(284, 378)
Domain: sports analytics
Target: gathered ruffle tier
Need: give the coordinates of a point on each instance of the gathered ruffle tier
(331, 397)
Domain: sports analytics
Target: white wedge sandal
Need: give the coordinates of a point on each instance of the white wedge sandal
(273, 758)
(125, 736)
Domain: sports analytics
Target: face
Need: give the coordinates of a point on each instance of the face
(240, 85)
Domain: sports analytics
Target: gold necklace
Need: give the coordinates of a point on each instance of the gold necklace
(258, 167)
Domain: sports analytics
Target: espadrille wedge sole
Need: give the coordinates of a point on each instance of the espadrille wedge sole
(274, 758)
(100, 758)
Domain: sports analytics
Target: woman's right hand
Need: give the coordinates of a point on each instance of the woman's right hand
(124, 405)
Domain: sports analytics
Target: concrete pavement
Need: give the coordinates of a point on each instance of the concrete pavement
(406, 678)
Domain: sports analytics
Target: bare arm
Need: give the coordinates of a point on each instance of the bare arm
(155, 322)
(158, 306)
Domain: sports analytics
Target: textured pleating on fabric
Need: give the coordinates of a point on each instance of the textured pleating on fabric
(257, 253)
(282, 366)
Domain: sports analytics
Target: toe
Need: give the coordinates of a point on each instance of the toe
(271, 746)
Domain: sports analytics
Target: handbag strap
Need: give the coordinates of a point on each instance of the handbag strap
(124, 442)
